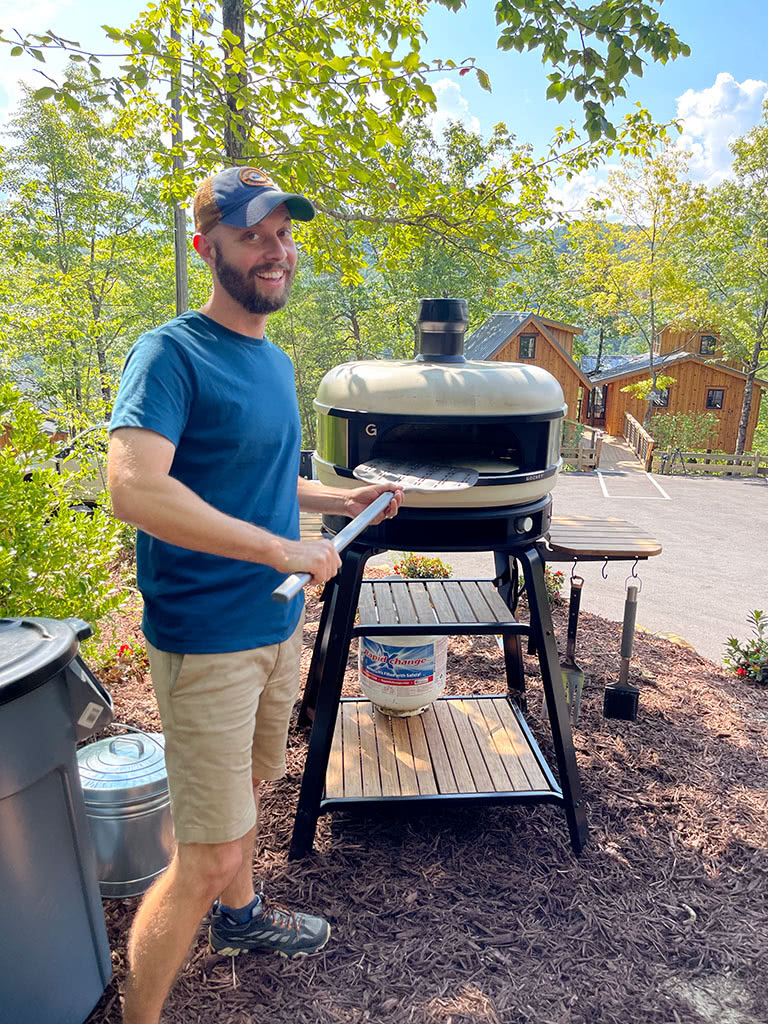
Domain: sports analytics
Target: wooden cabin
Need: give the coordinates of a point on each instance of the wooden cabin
(519, 337)
(699, 386)
(705, 343)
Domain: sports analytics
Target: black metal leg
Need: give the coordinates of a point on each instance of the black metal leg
(307, 710)
(333, 659)
(543, 633)
(513, 653)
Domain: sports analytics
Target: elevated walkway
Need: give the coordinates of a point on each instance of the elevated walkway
(622, 474)
(616, 456)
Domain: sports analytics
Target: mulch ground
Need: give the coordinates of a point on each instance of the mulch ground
(482, 915)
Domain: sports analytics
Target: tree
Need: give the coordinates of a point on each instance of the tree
(86, 260)
(731, 261)
(592, 48)
(320, 97)
(636, 266)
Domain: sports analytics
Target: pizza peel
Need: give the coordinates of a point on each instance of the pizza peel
(421, 477)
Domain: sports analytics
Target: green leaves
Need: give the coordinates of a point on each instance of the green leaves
(484, 80)
(42, 537)
(593, 48)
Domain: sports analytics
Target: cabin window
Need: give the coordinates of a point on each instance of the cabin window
(527, 346)
(707, 345)
(715, 398)
(661, 398)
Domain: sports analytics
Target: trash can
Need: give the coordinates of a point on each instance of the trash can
(54, 953)
(125, 788)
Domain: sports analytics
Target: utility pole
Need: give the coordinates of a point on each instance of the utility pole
(179, 215)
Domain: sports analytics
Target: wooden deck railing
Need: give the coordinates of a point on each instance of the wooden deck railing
(712, 463)
(638, 438)
(581, 445)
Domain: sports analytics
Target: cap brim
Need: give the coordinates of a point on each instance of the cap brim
(259, 207)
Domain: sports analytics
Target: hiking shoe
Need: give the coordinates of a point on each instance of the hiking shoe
(271, 928)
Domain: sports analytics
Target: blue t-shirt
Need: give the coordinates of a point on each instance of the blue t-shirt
(228, 404)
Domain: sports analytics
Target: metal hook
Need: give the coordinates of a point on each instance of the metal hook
(603, 573)
(573, 567)
(633, 576)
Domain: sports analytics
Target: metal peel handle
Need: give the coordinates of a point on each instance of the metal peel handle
(290, 587)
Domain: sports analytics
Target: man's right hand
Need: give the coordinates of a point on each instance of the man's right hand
(317, 557)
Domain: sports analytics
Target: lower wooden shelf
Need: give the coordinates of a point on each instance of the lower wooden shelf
(476, 746)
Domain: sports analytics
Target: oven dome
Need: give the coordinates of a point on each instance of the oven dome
(410, 387)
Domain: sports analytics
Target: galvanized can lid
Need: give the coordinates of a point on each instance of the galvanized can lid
(123, 769)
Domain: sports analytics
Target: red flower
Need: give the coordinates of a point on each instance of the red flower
(124, 648)
(741, 671)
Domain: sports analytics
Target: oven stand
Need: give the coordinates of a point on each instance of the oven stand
(322, 700)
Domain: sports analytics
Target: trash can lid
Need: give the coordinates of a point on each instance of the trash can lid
(123, 769)
(32, 651)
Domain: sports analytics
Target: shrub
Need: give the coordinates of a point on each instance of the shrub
(750, 659)
(554, 580)
(54, 560)
(420, 567)
(689, 431)
(572, 433)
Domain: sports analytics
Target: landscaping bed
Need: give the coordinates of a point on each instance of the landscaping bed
(483, 914)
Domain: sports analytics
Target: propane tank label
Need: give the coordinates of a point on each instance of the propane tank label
(398, 666)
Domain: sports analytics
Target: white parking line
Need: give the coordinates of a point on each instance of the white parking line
(663, 492)
(634, 497)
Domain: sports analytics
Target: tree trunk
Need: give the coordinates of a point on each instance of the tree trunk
(355, 329)
(651, 366)
(233, 18)
(746, 405)
(179, 215)
(101, 356)
(600, 349)
(304, 404)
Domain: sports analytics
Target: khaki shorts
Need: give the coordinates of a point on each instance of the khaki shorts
(225, 719)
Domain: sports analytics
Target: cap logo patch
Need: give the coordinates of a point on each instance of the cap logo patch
(255, 177)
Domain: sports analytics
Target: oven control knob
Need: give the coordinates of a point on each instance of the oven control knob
(524, 525)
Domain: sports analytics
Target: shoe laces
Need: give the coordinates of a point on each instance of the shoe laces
(280, 916)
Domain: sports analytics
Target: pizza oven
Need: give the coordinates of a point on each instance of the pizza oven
(502, 419)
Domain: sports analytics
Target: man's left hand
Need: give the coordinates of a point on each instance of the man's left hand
(360, 498)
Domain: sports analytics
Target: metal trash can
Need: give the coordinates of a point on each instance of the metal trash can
(54, 953)
(125, 788)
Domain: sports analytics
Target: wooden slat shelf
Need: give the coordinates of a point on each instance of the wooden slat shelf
(597, 537)
(569, 536)
(458, 746)
(439, 606)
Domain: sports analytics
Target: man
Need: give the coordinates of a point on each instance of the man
(204, 456)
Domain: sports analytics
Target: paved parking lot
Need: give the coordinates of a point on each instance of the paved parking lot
(714, 566)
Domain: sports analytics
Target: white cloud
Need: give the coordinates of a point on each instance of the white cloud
(572, 195)
(451, 106)
(715, 117)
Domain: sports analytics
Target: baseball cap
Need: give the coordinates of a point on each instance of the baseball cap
(241, 197)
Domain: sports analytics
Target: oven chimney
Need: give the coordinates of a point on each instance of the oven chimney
(442, 325)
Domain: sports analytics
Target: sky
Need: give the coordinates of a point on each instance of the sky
(718, 91)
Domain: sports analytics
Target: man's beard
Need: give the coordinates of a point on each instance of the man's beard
(244, 287)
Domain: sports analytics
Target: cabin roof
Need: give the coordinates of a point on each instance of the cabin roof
(491, 336)
(643, 362)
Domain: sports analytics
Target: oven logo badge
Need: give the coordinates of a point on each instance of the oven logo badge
(371, 430)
